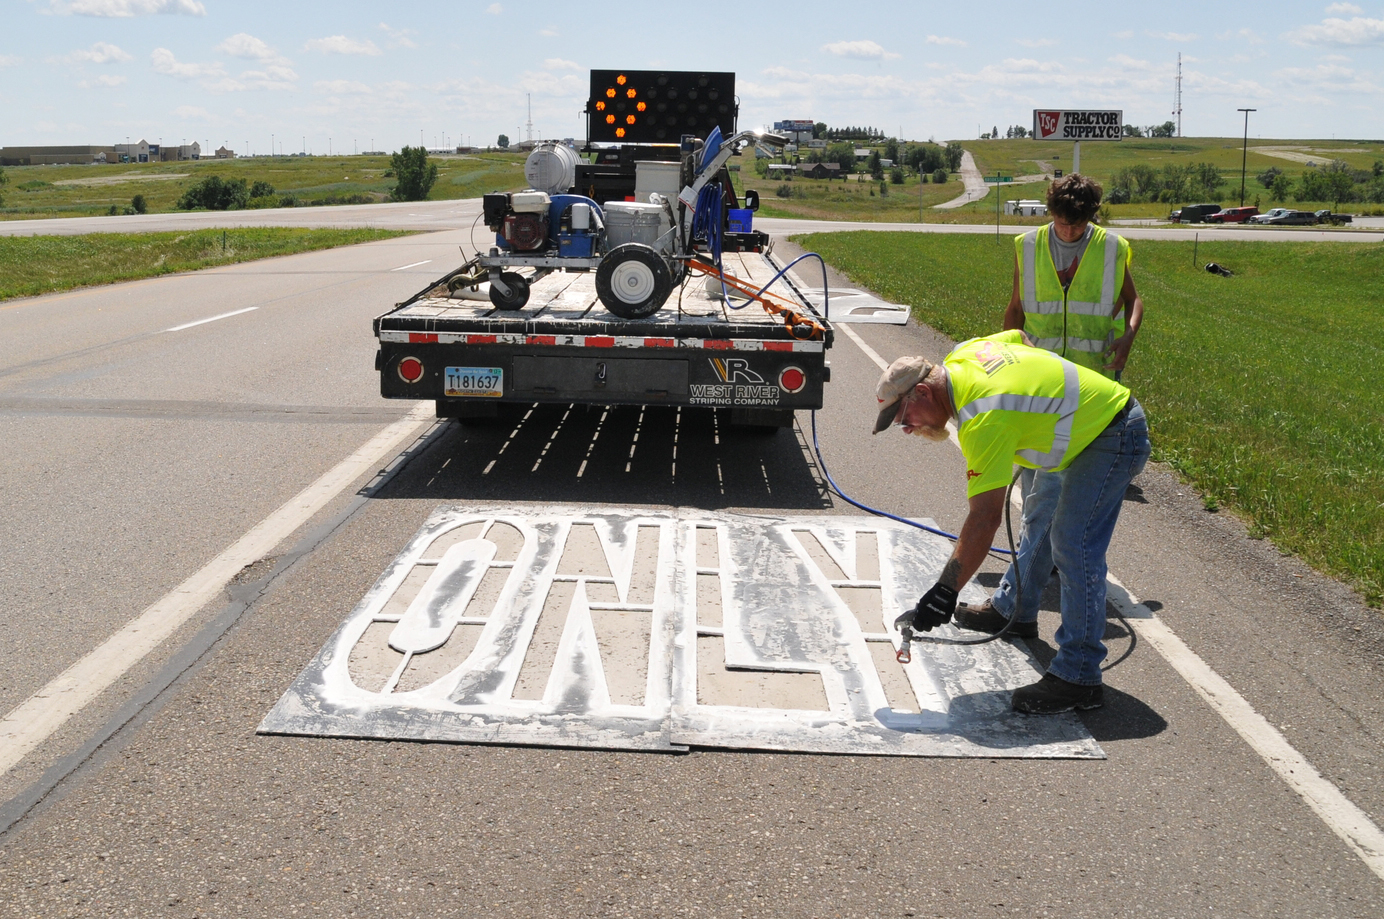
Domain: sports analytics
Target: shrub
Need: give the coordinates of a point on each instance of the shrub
(896, 175)
(216, 194)
(883, 189)
(939, 177)
(415, 174)
(4, 180)
(288, 201)
(261, 190)
(784, 191)
(139, 204)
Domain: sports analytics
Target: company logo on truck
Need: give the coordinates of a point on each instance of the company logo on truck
(739, 385)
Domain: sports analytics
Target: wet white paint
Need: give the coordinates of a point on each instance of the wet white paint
(565, 605)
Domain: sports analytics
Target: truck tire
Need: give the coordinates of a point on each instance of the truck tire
(519, 286)
(633, 281)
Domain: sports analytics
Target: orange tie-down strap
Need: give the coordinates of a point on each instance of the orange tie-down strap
(803, 328)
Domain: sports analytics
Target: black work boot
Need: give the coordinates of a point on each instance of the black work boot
(1052, 695)
(983, 617)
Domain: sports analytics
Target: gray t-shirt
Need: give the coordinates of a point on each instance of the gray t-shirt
(1064, 253)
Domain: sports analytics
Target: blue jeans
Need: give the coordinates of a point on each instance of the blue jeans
(1069, 518)
(1040, 492)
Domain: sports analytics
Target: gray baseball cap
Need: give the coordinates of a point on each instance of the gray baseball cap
(897, 382)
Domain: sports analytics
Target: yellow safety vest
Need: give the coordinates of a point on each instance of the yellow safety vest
(1078, 323)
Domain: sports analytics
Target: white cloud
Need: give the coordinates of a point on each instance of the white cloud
(193, 112)
(1356, 31)
(548, 33)
(1174, 36)
(105, 79)
(99, 53)
(1036, 42)
(398, 38)
(944, 40)
(494, 9)
(340, 44)
(248, 46)
(165, 62)
(125, 9)
(9, 60)
(341, 88)
(864, 50)
(557, 63)
(1125, 35)
(1346, 9)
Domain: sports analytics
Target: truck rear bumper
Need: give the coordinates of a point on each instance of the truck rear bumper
(763, 375)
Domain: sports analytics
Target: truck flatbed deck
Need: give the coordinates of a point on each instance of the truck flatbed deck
(565, 346)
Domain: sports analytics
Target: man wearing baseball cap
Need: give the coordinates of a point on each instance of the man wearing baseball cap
(1016, 404)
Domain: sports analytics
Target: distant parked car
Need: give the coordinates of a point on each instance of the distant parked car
(1325, 216)
(1293, 219)
(1193, 213)
(1269, 215)
(1232, 215)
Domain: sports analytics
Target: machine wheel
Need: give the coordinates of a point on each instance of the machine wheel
(633, 281)
(519, 295)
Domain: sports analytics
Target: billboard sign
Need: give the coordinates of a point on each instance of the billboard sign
(794, 125)
(1077, 125)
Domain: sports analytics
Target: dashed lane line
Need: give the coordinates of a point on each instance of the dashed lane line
(412, 265)
(1337, 811)
(188, 325)
(43, 713)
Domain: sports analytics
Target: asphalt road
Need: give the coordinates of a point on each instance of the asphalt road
(133, 455)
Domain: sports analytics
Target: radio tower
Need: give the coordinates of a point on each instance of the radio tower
(529, 96)
(1177, 95)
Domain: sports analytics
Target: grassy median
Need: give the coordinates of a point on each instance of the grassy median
(1262, 389)
(33, 265)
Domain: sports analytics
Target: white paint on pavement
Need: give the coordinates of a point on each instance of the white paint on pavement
(43, 713)
(412, 264)
(188, 325)
(1337, 811)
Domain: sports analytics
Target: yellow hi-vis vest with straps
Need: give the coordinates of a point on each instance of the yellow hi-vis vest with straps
(1016, 404)
(1078, 323)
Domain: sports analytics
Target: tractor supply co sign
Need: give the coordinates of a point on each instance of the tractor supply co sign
(1077, 125)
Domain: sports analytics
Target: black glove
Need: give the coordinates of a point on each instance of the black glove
(935, 608)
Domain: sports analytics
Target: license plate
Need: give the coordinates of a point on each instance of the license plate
(475, 381)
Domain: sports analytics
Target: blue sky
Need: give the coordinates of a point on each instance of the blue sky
(349, 75)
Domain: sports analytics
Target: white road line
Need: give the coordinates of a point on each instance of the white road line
(414, 265)
(35, 719)
(1337, 811)
(188, 325)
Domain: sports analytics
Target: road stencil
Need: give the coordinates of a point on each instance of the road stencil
(615, 628)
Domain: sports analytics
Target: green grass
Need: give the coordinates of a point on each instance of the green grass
(1262, 389)
(32, 265)
(34, 190)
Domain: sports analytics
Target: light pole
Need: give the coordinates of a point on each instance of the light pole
(1244, 154)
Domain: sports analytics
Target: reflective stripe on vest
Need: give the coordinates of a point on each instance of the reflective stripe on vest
(1064, 407)
(1042, 327)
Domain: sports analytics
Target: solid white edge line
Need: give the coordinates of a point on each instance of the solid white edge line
(414, 265)
(34, 720)
(188, 325)
(1337, 811)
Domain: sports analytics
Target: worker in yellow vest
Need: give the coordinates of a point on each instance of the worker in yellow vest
(1016, 404)
(1073, 295)
(1073, 291)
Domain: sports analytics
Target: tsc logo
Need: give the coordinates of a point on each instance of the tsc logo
(735, 370)
(1048, 123)
(971, 474)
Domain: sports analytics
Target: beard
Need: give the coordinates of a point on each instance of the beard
(936, 435)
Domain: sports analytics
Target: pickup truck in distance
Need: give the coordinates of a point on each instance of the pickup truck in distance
(1325, 216)
(1232, 215)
